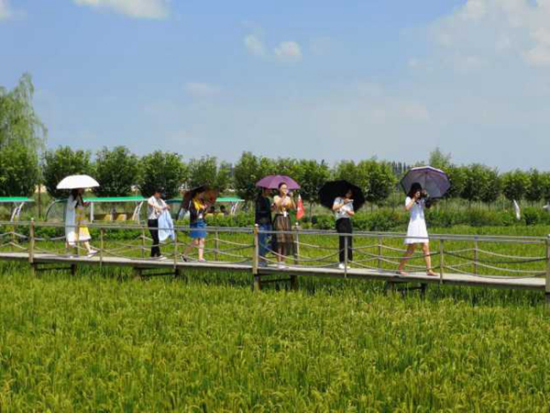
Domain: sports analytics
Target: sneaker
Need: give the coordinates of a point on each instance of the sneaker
(203, 260)
(281, 266)
(161, 257)
(92, 253)
(342, 266)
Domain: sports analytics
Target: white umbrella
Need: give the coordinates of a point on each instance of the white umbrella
(77, 182)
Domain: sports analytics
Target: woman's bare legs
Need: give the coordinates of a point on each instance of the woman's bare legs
(427, 256)
(410, 251)
(194, 244)
(200, 245)
(281, 254)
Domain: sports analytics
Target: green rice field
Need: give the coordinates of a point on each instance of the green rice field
(103, 341)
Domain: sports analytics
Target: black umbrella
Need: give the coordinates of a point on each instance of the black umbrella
(334, 189)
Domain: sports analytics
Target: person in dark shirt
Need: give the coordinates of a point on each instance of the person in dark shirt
(197, 224)
(264, 221)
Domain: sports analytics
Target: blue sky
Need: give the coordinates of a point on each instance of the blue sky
(315, 79)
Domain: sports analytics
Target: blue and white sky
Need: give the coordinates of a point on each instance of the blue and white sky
(323, 79)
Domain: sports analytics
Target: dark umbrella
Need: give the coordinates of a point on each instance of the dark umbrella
(273, 182)
(434, 181)
(334, 189)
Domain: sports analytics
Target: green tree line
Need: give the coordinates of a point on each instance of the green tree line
(24, 164)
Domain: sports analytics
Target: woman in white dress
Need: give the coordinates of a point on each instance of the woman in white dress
(417, 232)
(76, 223)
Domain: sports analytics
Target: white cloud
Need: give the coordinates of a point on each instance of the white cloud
(489, 27)
(141, 9)
(201, 90)
(288, 51)
(5, 10)
(254, 45)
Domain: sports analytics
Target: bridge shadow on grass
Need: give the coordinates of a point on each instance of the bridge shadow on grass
(364, 290)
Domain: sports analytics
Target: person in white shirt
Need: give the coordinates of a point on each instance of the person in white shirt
(155, 207)
(417, 232)
(343, 211)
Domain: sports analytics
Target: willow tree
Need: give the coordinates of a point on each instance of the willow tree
(22, 139)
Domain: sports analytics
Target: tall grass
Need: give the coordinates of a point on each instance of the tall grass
(92, 343)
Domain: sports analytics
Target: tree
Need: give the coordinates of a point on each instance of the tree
(350, 172)
(249, 170)
(22, 136)
(162, 170)
(481, 184)
(63, 162)
(19, 124)
(380, 178)
(515, 185)
(545, 186)
(458, 176)
(19, 170)
(117, 171)
(535, 190)
(311, 175)
(440, 160)
(205, 171)
(375, 178)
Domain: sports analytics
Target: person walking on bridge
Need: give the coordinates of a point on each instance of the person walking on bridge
(417, 233)
(155, 208)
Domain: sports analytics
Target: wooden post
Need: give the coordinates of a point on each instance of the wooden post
(441, 259)
(78, 239)
(175, 252)
(216, 244)
(380, 251)
(31, 242)
(101, 245)
(294, 278)
(142, 242)
(547, 289)
(476, 255)
(346, 243)
(13, 237)
(256, 285)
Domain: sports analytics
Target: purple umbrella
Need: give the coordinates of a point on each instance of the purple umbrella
(433, 180)
(273, 182)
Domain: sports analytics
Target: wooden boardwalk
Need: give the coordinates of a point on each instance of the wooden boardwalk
(460, 260)
(524, 283)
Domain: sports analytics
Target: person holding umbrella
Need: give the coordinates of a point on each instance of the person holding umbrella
(343, 211)
(417, 232)
(344, 199)
(76, 223)
(155, 208)
(283, 203)
(423, 185)
(283, 240)
(200, 202)
(264, 221)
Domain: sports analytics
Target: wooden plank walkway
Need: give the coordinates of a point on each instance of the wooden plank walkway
(524, 283)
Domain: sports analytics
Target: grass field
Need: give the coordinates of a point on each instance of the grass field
(93, 343)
